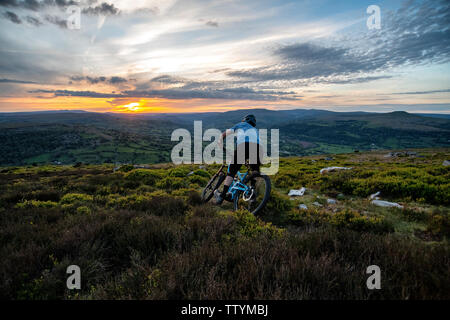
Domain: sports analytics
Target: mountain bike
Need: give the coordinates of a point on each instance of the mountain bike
(249, 190)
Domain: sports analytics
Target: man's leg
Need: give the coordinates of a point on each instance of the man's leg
(232, 170)
(226, 186)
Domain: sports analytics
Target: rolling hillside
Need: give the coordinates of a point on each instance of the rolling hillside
(144, 234)
(68, 137)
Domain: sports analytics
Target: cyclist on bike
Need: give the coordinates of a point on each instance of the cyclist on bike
(247, 148)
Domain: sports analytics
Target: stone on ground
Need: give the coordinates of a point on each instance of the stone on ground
(387, 204)
(297, 193)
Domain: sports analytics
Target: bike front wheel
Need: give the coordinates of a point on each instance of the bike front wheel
(256, 196)
(212, 186)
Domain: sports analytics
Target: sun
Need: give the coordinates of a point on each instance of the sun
(133, 107)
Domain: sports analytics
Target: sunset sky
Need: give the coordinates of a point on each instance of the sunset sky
(191, 56)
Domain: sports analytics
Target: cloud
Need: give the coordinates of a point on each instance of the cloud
(69, 93)
(34, 21)
(423, 92)
(33, 5)
(180, 93)
(310, 53)
(36, 5)
(26, 4)
(11, 16)
(182, 88)
(212, 24)
(8, 3)
(307, 61)
(104, 9)
(207, 93)
(416, 34)
(95, 80)
(16, 81)
(62, 23)
(168, 79)
(352, 79)
(115, 80)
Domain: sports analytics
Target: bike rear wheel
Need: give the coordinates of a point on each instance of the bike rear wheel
(212, 186)
(256, 197)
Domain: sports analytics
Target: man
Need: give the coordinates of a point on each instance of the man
(247, 148)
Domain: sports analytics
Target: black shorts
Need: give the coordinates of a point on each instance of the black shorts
(248, 151)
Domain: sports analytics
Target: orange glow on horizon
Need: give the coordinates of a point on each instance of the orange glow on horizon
(138, 105)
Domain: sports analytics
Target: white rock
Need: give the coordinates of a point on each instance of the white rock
(141, 166)
(374, 196)
(303, 206)
(317, 204)
(387, 204)
(297, 193)
(331, 201)
(330, 169)
(446, 163)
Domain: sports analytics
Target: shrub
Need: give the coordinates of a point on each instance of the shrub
(198, 180)
(251, 226)
(179, 172)
(172, 183)
(202, 173)
(46, 195)
(353, 220)
(83, 210)
(439, 225)
(284, 180)
(28, 204)
(348, 219)
(415, 214)
(155, 204)
(277, 208)
(126, 168)
(191, 196)
(71, 198)
(145, 176)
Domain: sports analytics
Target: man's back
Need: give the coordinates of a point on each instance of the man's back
(245, 133)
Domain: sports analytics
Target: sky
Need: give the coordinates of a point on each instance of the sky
(196, 56)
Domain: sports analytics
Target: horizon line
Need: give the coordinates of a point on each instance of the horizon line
(444, 112)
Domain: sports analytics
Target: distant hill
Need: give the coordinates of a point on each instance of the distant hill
(69, 137)
(435, 115)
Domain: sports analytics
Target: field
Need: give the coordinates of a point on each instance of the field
(95, 138)
(143, 233)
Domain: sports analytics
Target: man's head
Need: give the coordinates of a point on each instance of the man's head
(250, 119)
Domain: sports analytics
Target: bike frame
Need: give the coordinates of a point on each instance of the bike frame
(237, 184)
